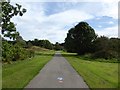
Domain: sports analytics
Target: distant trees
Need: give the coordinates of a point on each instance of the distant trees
(105, 47)
(42, 43)
(57, 46)
(80, 38)
(45, 44)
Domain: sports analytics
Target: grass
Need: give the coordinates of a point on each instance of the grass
(18, 74)
(96, 74)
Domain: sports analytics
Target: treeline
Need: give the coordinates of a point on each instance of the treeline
(82, 39)
(104, 47)
(41, 43)
(44, 44)
(20, 49)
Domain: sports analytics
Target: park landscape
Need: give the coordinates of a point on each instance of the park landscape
(94, 58)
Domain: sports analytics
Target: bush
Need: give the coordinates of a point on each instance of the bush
(20, 53)
(15, 52)
(106, 54)
(31, 53)
(7, 52)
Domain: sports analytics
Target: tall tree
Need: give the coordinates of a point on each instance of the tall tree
(79, 39)
(69, 41)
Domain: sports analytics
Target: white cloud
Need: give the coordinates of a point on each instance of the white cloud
(35, 24)
(110, 9)
(99, 26)
(48, 27)
(67, 17)
(111, 22)
(109, 32)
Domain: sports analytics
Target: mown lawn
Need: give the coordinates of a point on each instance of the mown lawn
(96, 74)
(18, 74)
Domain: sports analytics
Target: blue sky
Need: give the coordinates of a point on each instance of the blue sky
(52, 20)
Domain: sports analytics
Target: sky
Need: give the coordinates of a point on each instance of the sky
(52, 20)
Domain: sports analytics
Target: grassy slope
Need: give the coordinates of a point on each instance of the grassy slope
(96, 74)
(18, 75)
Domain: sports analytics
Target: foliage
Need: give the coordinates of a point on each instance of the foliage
(69, 41)
(20, 40)
(9, 11)
(29, 44)
(79, 39)
(14, 52)
(101, 43)
(46, 44)
(104, 47)
(30, 53)
(42, 43)
(105, 54)
(7, 52)
(82, 40)
(57, 46)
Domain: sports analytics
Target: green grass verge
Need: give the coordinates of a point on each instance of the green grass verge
(18, 74)
(96, 74)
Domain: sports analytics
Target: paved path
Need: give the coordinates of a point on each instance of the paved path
(57, 73)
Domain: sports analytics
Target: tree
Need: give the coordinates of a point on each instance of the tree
(11, 51)
(36, 42)
(105, 47)
(29, 44)
(101, 43)
(115, 44)
(20, 41)
(46, 44)
(42, 43)
(57, 46)
(80, 38)
(69, 41)
(9, 11)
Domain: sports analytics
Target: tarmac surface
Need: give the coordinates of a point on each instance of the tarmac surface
(57, 73)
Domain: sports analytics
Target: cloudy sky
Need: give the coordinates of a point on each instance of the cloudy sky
(52, 20)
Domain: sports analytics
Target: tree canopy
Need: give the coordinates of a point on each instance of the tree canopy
(9, 11)
(79, 39)
(42, 43)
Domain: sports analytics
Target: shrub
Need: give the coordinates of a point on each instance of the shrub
(106, 54)
(7, 52)
(15, 52)
(31, 53)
